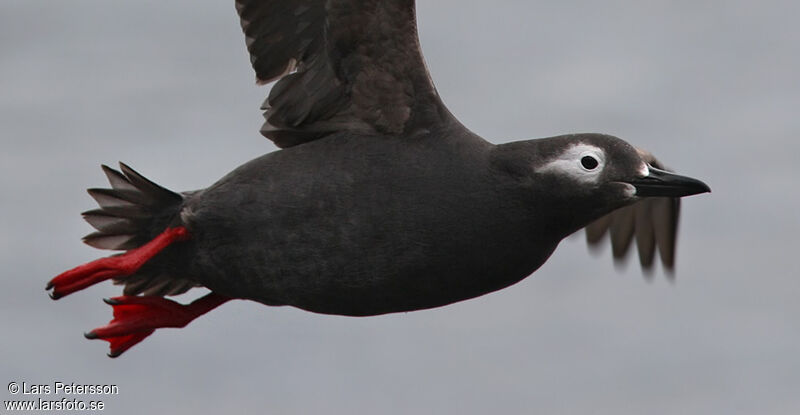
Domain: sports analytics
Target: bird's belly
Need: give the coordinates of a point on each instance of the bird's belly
(369, 270)
(359, 288)
(348, 264)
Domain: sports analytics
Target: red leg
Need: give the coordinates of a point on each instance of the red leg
(102, 269)
(136, 317)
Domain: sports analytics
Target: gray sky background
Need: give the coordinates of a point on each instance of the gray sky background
(710, 87)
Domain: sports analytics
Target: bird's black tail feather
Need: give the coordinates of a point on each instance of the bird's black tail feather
(131, 213)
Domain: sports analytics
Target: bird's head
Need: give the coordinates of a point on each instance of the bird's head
(578, 178)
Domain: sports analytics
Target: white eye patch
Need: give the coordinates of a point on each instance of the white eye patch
(644, 170)
(581, 162)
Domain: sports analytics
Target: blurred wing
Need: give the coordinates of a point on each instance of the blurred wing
(652, 222)
(351, 65)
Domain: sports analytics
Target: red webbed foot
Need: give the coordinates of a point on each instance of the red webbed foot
(102, 269)
(136, 317)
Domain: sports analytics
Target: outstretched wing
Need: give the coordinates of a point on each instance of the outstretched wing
(350, 65)
(652, 222)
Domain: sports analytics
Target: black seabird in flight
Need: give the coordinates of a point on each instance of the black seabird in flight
(379, 201)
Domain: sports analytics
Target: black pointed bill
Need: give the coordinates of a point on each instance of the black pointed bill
(665, 184)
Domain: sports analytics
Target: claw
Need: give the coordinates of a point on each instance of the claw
(111, 301)
(118, 345)
(102, 269)
(136, 317)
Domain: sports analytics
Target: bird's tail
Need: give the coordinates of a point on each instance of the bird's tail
(132, 212)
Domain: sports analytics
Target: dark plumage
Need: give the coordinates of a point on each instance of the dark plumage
(380, 201)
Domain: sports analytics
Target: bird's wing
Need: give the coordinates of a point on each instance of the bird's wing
(653, 222)
(351, 65)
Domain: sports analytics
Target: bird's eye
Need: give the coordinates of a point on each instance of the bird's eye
(589, 162)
